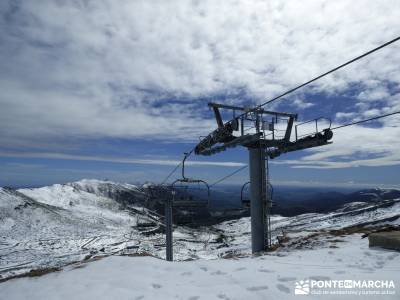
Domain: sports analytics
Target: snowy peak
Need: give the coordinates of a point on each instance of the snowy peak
(10, 197)
(87, 192)
(100, 187)
(67, 197)
(124, 193)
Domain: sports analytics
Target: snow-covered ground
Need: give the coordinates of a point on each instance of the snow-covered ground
(63, 226)
(270, 276)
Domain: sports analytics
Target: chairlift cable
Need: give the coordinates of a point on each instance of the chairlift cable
(322, 75)
(366, 120)
(187, 154)
(229, 175)
(171, 173)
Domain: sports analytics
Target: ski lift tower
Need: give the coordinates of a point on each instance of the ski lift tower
(255, 129)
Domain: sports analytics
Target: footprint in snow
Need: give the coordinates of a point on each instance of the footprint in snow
(283, 288)
(240, 269)
(340, 272)
(204, 269)
(286, 279)
(223, 296)
(265, 271)
(379, 264)
(392, 256)
(194, 298)
(318, 278)
(186, 273)
(368, 270)
(257, 288)
(218, 273)
(156, 285)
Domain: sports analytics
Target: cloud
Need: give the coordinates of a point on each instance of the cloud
(377, 92)
(354, 146)
(81, 70)
(344, 115)
(302, 104)
(159, 162)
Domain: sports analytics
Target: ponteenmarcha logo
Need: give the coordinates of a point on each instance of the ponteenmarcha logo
(344, 287)
(302, 287)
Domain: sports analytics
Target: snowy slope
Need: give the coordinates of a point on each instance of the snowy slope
(102, 188)
(56, 225)
(23, 216)
(265, 277)
(364, 215)
(85, 204)
(121, 192)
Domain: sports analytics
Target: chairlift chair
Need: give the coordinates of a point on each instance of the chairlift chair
(184, 191)
(245, 200)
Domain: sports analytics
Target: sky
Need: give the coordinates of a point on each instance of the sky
(118, 90)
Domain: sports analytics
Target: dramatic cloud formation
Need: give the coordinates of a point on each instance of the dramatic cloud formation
(81, 70)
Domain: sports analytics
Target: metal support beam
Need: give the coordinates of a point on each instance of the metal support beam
(237, 141)
(168, 228)
(218, 105)
(289, 129)
(218, 117)
(257, 198)
(255, 110)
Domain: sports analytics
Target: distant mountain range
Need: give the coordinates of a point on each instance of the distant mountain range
(290, 201)
(321, 202)
(224, 201)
